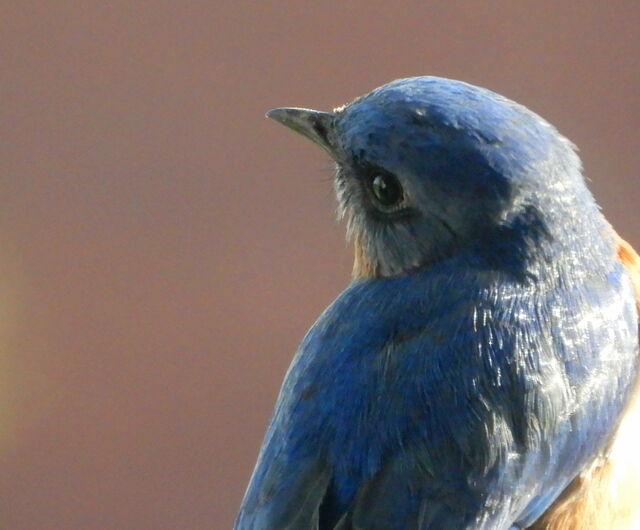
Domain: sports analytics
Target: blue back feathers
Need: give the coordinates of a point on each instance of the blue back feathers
(485, 359)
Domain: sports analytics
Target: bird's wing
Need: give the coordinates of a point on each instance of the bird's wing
(284, 494)
(606, 494)
(412, 405)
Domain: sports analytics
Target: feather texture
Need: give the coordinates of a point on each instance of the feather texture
(476, 371)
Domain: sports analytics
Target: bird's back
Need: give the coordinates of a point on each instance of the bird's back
(464, 400)
(475, 373)
(605, 494)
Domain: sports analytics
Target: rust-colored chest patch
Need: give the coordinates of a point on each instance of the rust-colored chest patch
(631, 261)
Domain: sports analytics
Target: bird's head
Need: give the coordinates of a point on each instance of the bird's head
(427, 167)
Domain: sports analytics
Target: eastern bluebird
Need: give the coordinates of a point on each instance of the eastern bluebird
(479, 372)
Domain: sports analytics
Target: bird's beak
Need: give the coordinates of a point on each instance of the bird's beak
(315, 125)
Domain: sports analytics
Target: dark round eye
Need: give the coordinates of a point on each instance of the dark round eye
(386, 189)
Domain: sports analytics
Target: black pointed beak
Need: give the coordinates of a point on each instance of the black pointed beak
(315, 125)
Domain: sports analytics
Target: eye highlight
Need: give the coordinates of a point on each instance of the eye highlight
(386, 189)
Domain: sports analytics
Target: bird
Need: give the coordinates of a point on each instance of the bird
(480, 370)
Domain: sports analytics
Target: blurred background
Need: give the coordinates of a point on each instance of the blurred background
(164, 247)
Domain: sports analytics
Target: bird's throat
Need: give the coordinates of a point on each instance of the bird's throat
(363, 266)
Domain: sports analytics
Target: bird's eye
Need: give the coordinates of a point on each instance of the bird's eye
(386, 189)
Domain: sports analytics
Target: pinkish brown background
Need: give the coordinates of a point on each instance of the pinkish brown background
(164, 247)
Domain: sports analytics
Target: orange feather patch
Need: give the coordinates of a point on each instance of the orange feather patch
(363, 267)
